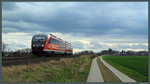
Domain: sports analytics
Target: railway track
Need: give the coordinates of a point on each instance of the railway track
(9, 61)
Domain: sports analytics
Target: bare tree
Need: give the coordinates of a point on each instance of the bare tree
(4, 47)
(25, 50)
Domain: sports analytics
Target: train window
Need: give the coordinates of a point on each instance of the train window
(68, 47)
(50, 40)
(56, 42)
(62, 45)
(53, 41)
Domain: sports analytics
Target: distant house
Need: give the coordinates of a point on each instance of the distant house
(144, 53)
(5, 54)
(131, 53)
(116, 52)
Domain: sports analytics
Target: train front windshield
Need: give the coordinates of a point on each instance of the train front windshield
(39, 39)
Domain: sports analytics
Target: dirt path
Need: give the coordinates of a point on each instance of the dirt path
(120, 75)
(95, 73)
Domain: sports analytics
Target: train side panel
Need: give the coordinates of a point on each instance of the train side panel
(68, 48)
(62, 47)
(51, 45)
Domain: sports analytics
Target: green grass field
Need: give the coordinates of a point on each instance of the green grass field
(135, 67)
(64, 70)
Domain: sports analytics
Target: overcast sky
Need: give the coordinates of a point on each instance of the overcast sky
(87, 25)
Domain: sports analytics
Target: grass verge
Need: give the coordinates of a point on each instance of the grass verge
(108, 75)
(123, 64)
(64, 70)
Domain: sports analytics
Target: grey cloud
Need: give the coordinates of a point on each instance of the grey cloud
(139, 46)
(8, 30)
(16, 46)
(122, 46)
(77, 18)
(128, 21)
(95, 45)
(77, 45)
(22, 27)
(8, 6)
(21, 45)
(91, 20)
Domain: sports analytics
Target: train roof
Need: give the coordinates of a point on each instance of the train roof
(68, 42)
(41, 34)
(57, 38)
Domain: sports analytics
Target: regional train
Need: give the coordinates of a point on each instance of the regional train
(50, 45)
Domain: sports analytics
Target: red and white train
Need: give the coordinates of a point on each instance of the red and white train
(50, 44)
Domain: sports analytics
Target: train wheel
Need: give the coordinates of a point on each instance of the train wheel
(53, 54)
(38, 55)
(47, 55)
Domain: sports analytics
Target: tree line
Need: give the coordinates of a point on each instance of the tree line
(27, 51)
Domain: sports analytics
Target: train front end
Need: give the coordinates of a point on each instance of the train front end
(38, 43)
